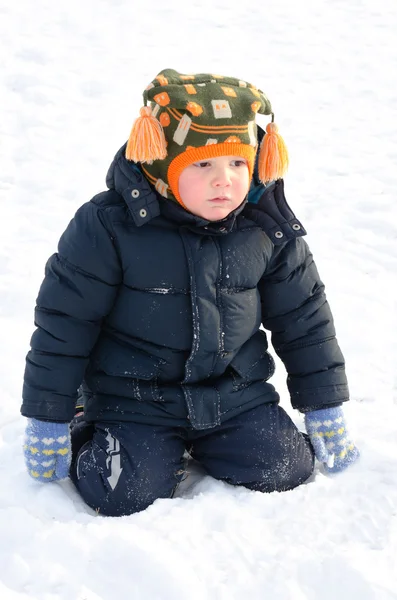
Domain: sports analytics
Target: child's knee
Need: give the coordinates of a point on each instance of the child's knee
(108, 489)
(109, 483)
(287, 469)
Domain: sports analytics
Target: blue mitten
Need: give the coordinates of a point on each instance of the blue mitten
(47, 450)
(330, 438)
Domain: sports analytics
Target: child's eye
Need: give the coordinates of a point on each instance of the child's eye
(239, 163)
(202, 164)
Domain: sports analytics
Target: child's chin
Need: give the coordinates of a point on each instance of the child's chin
(216, 214)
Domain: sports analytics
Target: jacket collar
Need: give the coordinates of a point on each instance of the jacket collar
(127, 180)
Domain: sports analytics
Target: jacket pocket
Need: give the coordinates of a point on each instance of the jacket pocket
(252, 362)
(136, 371)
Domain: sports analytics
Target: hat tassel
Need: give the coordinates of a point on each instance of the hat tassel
(147, 140)
(273, 155)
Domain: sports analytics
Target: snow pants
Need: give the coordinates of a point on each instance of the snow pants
(122, 468)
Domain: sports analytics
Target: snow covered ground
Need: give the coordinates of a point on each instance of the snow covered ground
(72, 74)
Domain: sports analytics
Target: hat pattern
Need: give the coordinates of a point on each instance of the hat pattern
(200, 116)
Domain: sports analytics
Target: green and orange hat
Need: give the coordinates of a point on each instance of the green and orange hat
(196, 117)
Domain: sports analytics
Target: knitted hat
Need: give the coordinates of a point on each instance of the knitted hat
(195, 117)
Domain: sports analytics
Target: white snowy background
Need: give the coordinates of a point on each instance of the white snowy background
(71, 78)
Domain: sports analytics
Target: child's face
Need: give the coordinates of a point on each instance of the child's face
(214, 187)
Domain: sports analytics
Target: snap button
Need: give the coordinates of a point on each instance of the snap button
(142, 213)
(296, 226)
(135, 193)
(279, 234)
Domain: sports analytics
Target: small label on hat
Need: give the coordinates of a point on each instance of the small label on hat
(229, 91)
(221, 109)
(189, 87)
(211, 141)
(155, 110)
(182, 130)
(161, 187)
(252, 133)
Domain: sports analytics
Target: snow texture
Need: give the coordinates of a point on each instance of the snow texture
(72, 76)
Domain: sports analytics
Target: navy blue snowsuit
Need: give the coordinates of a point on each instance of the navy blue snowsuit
(155, 315)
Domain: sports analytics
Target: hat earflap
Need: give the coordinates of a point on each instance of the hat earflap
(147, 140)
(273, 155)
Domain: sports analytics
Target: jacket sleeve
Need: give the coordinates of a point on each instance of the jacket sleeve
(296, 311)
(79, 289)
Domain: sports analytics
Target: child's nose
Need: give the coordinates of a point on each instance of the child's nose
(221, 177)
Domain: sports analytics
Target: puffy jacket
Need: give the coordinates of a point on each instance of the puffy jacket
(156, 313)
